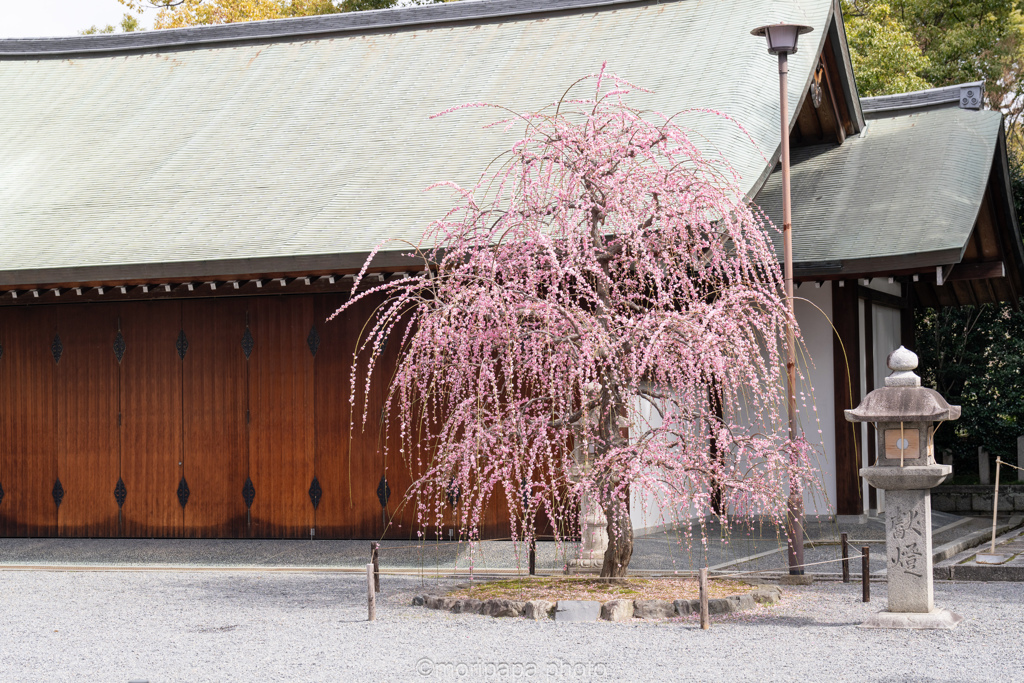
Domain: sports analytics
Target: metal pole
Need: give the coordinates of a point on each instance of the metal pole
(846, 559)
(865, 572)
(995, 508)
(795, 511)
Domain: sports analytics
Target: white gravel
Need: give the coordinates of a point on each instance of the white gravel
(280, 626)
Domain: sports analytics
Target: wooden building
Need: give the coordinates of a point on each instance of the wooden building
(181, 210)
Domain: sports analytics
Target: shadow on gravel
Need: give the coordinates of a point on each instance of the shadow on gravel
(800, 622)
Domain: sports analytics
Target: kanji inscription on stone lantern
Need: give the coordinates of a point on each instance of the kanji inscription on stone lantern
(905, 416)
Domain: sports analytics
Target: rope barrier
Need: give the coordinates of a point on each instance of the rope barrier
(999, 460)
(799, 566)
(716, 572)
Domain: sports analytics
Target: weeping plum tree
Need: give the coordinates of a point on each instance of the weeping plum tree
(602, 316)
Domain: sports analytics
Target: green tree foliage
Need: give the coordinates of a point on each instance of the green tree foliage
(959, 41)
(129, 23)
(885, 54)
(179, 13)
(965, 40)
(974, 357)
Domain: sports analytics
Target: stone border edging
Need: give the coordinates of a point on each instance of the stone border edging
(953, 569)
(946, 554)
(594, 610)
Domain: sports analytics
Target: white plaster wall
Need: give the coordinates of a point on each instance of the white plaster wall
(815, 403)
(645, 512)
(815, 392)
(885, 323)
(887, 338)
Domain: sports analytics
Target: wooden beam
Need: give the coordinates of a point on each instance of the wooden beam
(924, 292)
(846, 384)
(964, 293)
(907, 323)
(176, 290)
(832, 70)
(972, 251)
(882, 298)
(986, 229)
(977, 271)
(833, 105)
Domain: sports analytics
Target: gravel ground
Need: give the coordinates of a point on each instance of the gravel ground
(273, 626)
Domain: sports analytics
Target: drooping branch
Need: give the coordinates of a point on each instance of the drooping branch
(608, 265)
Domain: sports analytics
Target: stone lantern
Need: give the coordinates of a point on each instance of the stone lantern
(905, 416)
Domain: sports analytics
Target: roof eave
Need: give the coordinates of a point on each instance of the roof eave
(222, 269)
(846, 75)
(1002, 168)
(876, 266)
(297, 27)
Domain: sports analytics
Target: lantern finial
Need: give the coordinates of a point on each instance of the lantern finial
(902, 362)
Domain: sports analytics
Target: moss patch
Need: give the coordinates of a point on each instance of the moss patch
(591, 588)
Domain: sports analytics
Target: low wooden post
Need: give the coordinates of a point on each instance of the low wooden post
(375, 559)
(846, 558)
(865, 572)
(705, 620)
(370, 596)
(533, 556)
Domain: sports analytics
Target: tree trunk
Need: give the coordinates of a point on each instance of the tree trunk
(620, 539)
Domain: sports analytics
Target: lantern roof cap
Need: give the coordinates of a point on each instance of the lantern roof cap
(903, 404)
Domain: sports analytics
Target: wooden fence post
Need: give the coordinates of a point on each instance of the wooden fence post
(370, 596)
(375, 559)
(846, 558)
(705, 620)
(865, 573)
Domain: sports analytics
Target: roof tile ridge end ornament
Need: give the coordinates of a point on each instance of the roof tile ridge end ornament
(319, 25)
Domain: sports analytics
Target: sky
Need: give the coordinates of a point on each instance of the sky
(37, 18)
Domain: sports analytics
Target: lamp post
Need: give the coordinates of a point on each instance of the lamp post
(782, 39)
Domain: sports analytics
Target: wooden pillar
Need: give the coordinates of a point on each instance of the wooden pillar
(907, 328)
(846, 381)
(869, 385)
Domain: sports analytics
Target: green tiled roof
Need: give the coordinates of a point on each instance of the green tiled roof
(232, 149)
(908, 185)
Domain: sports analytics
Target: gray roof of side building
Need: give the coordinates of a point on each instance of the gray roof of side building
(905, 192)
(301, 144)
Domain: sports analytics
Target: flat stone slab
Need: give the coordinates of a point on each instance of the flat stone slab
(936, 619)
(578, 610)
(988, 558)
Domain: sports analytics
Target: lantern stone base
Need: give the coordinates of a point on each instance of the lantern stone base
(936, 619)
